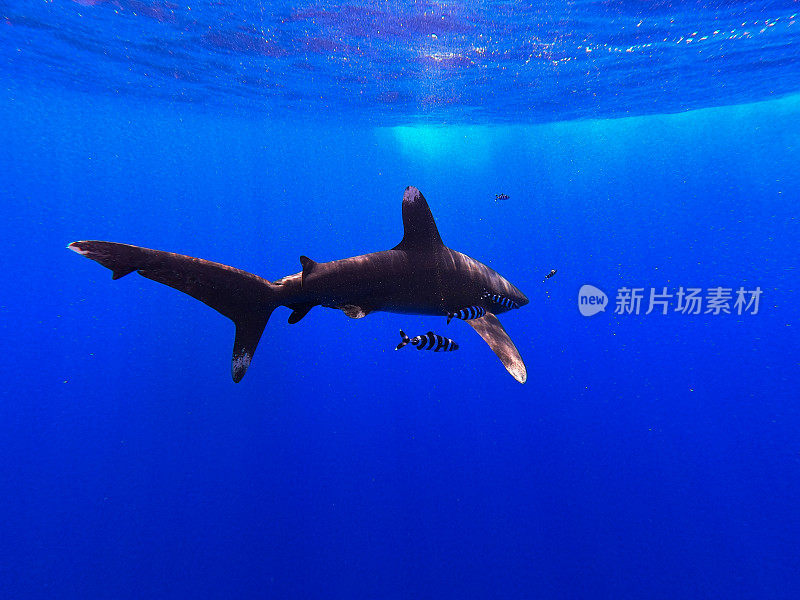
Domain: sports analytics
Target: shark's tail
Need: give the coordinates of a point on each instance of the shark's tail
(246, 299)
(406, 340)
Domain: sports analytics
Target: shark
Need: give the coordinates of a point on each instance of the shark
(420, 275)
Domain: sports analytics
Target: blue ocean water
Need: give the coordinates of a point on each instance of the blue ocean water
(647, 456)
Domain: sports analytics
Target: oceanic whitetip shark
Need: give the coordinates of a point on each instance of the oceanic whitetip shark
(418, 276)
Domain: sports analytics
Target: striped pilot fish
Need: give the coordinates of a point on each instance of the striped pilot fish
(500, 299)
(429, 341)
(476, 311)
(465, 314)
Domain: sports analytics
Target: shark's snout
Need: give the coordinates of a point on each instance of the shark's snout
(520, 298)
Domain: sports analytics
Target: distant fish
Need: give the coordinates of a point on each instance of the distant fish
(501, 197)
(550, 274)
(500, 299)
(429, 341)
(466, 314)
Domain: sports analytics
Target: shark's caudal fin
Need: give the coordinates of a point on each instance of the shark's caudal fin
(493, 333)
(246, 299)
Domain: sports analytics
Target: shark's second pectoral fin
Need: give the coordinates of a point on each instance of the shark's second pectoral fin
(493, 333)
(353, 311)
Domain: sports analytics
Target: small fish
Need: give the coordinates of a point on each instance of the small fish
(500, 299)
(501, 197)
(550, 274)
(429, 341)
(466, 314)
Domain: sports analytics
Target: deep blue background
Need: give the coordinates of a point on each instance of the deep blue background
(649, 456)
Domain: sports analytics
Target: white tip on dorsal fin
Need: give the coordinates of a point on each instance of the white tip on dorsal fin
(419, 228)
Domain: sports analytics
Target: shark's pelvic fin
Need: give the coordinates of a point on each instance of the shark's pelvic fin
(247, 299)
(419, 228)
(299, 311)
(493, 333)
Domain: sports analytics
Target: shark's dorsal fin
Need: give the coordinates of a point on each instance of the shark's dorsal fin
(308, 267)
(493, 333)
(419, 228)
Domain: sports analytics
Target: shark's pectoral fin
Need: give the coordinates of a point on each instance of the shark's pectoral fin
(493, 333)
